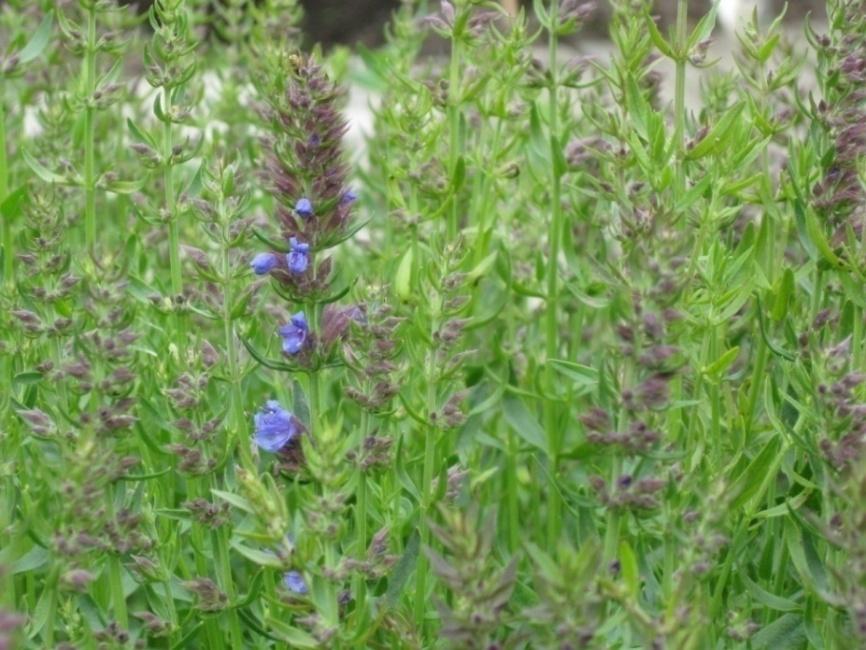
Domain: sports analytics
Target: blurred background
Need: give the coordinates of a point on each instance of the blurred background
(347, 22)
(353, 21)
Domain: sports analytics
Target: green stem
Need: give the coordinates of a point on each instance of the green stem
(6, 366)
(89, 138)
(115, 577)
(757, 383)
(236, 424)
(680, 94)
(511, 488)
(426, 496)
(224, 570)
(195, 489)
(551, 312)
(115, 573)
(361, 521)
(170, 202)
(237, 419)
(361, 534)
(317, 431)
(8, 240)
(52, 584)
(453, 131)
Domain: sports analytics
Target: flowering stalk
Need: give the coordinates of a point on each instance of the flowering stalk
(431, 438)
(454, 127)
(8, 240)
(88, 84)
(551, 329)
(171, 63)
(306, 176)
(680, 92)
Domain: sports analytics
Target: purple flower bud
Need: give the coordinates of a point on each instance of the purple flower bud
(299, 257)
(274, 427)
(295, 583)
(349, 197)
(263, 263)
(295, 334)
(304, 208)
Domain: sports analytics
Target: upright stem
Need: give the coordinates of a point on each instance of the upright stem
(8, 241)
(197, 487)
(118, 596)
(317, 430)
(551, 315)
(453, 131)
(89, 144)
(170, 202)
(236, 423)
(236, 407)
(426, 494)
(680, 96)
(361, 519)
(115, 575)
(222, 560)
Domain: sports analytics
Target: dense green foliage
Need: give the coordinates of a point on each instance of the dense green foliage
(549, 362)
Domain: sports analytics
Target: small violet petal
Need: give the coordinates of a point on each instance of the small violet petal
(275, 427)
(263, 263)
(304, 208)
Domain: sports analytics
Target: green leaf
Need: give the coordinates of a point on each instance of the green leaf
(658, 40)
(560, 165)
(27, 378)
(267, 363)
(541, 13)
(235, 500)
(816, 234)
(141, 135)
(766, 50)
(37, 43)
(482, 267)
(583, 376)
(716, 138)
(30, 561)
(402, 570)
(704, 27)
(295, 637)
(125, 187)
(630, 573)
(784, 633)
(254, 555)
(41, 171)
(403, 278)
(10, 209)
(767, 599)
(718, 367)
(459, 174)
(783, 296)
(523, 422)
(157, 109)
(755, 477)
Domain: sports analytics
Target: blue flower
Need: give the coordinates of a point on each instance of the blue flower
(263, 263)
(275, 427)
(348, 197)
(299, 257)
(295, 334)
(304, 208)
(295, 583)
